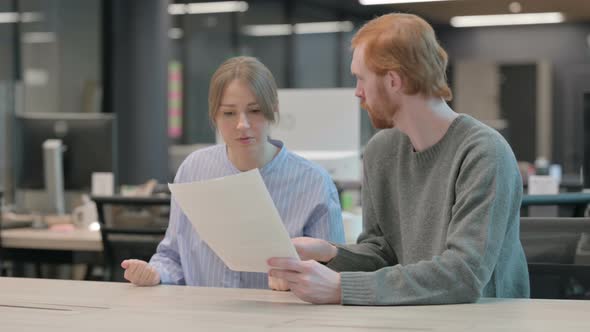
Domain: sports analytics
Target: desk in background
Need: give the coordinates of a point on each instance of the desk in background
(38, 246)
(57, 305)
(578, 201)
(43, 239)
(22, 245)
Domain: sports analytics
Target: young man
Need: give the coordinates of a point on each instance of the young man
(441, 191)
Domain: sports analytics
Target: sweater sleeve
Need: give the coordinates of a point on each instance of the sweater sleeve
(372, 251)
(488, 192)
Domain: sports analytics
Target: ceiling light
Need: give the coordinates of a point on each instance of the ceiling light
(208, 7)
(506, 19)
(177, 9)
(267, 30)
(299, 28)
(392, 2)
(13, 17)
(323, 27)
(8, 17)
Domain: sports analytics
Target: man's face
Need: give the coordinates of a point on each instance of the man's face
(371, 89)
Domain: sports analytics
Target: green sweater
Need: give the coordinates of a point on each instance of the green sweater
(440, 225)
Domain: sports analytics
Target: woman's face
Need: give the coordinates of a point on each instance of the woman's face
(240, 120)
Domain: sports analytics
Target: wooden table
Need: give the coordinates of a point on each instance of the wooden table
(57, 305)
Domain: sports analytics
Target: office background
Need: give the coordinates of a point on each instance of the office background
(122, 57)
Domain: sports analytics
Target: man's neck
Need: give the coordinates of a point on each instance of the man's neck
(424, 120)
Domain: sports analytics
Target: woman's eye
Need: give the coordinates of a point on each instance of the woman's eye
(255, 111)
(227, 113)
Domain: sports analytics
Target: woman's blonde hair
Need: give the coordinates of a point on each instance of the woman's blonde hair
(250, 71)
(405, 43)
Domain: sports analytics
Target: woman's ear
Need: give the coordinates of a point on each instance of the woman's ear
(276, 115)
(213, 121)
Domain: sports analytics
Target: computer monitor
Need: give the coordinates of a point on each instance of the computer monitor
(89, 145)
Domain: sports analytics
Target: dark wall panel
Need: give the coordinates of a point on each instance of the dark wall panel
(564, 45)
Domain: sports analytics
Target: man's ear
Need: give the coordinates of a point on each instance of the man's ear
(394, 80)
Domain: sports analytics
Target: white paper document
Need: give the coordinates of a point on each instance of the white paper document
(236, 217)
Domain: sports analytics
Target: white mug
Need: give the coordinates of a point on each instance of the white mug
(85, 214)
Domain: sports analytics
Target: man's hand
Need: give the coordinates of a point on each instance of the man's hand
(140, 273)
(316, 249)
(277, 284)
(308, 280)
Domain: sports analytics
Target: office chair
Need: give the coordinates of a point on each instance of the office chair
(133, 228)
(551, 246)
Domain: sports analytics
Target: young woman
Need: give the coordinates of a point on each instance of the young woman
(242, 106)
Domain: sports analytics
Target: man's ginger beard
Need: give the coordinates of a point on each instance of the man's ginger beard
(380, 120)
